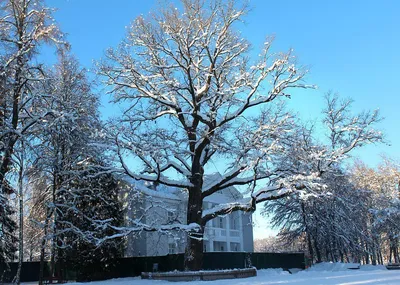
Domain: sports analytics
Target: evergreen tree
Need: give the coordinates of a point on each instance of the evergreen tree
(8, 229)
(97, 200)
(80, 192)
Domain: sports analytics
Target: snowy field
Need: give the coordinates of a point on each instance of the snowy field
(326, 273)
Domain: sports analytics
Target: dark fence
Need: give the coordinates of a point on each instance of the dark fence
(133, 266)
(278, 260)
(29, 271)
(260, 260)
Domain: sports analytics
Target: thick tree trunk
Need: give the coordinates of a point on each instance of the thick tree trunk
(194, 254)
(194, 249)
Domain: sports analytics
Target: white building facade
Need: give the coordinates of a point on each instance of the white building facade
(163, 206)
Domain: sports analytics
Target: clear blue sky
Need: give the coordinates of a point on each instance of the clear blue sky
(351, 47)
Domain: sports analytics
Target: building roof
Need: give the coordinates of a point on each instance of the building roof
(172, 193)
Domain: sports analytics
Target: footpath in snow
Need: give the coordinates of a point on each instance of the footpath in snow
(320, 274)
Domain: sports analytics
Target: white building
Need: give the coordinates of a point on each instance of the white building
(163, 205)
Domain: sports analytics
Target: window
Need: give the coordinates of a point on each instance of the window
(221, 222)
(235, 246)
(172, 248)
(234, 223)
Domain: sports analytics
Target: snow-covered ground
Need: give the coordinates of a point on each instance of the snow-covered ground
(321, 274)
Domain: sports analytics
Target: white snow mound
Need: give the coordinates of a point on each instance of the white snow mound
(339, 266)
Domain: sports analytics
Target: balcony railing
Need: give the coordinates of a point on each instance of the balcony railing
(221, 233)
(210, 232)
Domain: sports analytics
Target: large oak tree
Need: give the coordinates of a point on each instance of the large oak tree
(193, 96)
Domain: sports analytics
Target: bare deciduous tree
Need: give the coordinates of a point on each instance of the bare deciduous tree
(193, 96)
(24, 25)
(190, 91)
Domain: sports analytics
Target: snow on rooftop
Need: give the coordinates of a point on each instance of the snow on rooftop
(161, 191)
(166, 192)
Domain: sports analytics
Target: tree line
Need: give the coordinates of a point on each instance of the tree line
(49, 164)
(354, 219)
